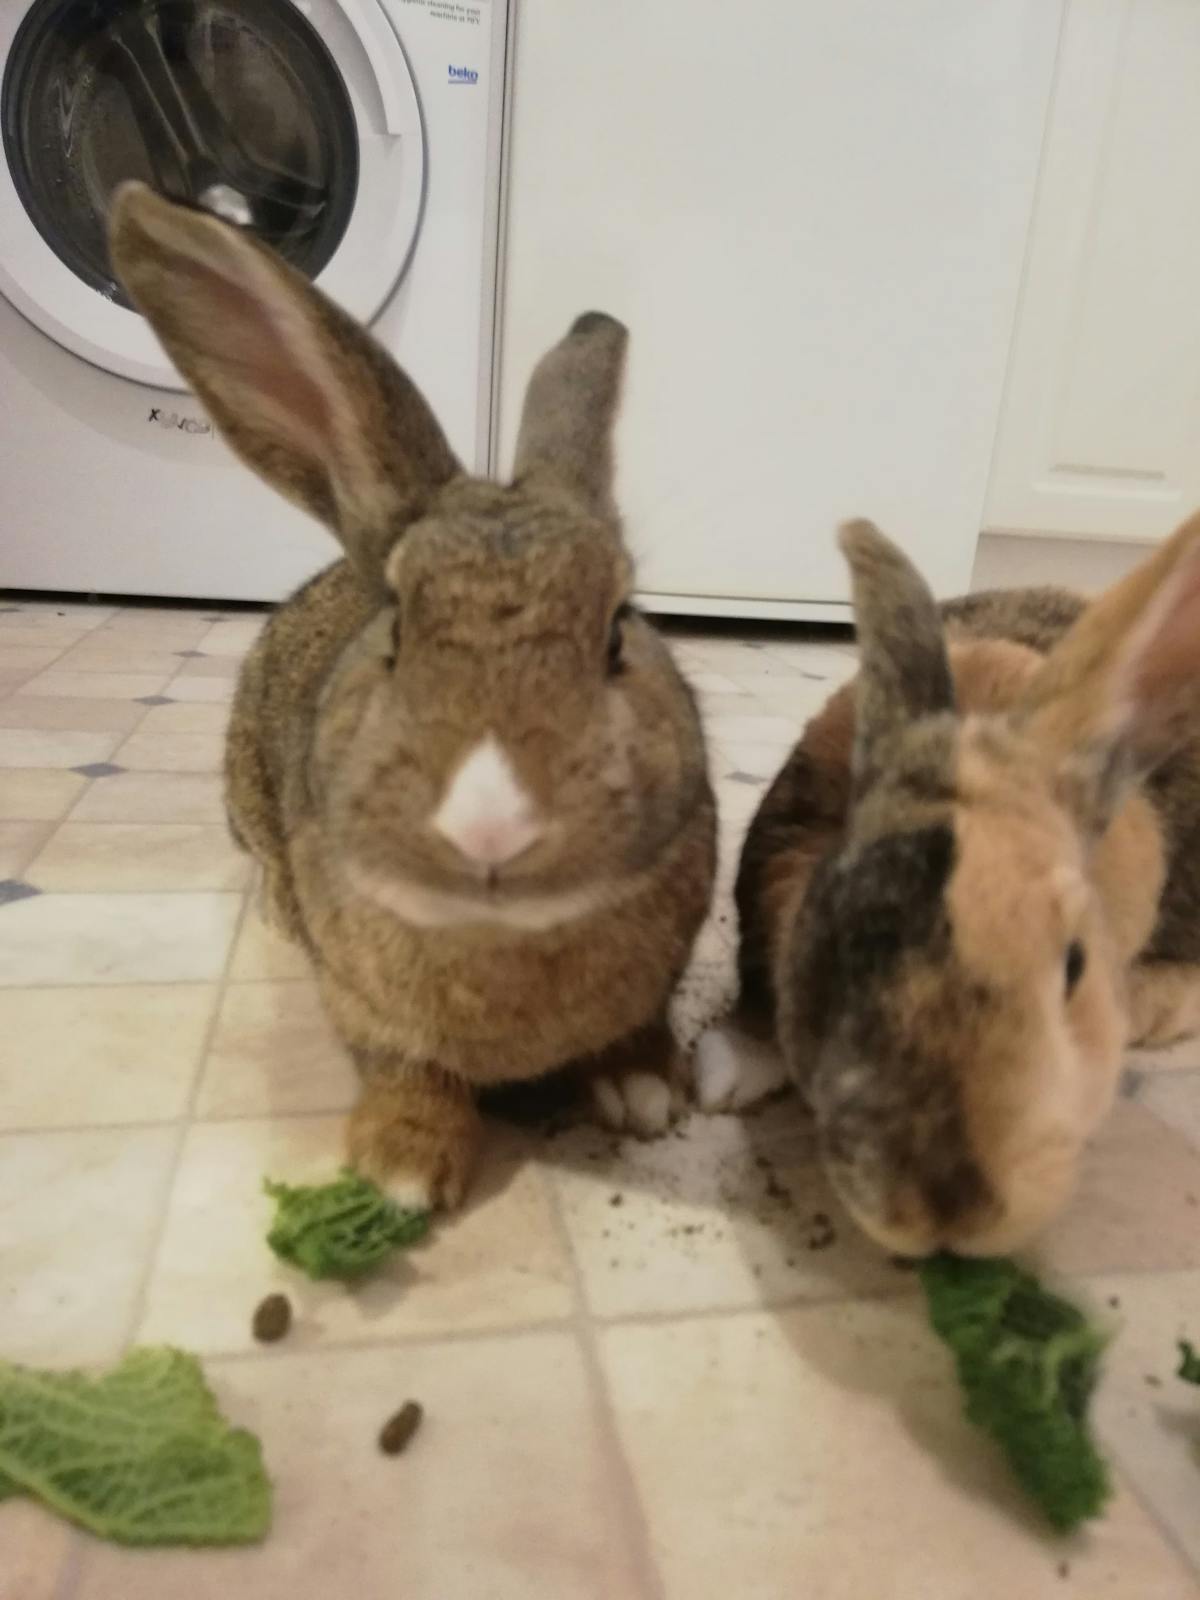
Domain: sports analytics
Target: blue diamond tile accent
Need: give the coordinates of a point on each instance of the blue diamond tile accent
(155, 700)
(746, 777)
(98, 769)
(12, 889)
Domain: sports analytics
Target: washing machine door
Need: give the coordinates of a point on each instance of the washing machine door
(299, 117)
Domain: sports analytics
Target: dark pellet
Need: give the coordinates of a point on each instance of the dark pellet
(272, 1319)
(398, 1430)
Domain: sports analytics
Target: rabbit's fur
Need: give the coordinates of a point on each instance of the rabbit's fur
(975, 880)
(473, 777)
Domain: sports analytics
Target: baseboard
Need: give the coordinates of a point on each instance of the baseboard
(1012, 560)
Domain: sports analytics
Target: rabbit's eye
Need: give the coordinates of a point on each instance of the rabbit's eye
(616, 640)
(1076, 962)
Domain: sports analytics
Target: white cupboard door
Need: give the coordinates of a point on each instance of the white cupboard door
(813, 217)
(1100, 432)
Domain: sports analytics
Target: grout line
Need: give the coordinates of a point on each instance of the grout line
(629, 1504)
(296, 1348)
(183, 1123)
(1146, 1501)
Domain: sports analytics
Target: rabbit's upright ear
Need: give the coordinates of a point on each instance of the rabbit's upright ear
(1122, 686)
(565, 440)
(904, 671)
(300, 391)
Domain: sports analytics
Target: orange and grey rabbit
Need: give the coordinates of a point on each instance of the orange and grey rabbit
(974, 882)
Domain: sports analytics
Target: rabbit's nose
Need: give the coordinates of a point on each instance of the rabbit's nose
(486, 813)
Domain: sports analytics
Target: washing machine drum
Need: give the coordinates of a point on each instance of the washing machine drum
(269, 115)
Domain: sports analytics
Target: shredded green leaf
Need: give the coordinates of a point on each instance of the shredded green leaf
(1027, 1363)
(139, 1455)
(341, 1229)
(1189, 1362)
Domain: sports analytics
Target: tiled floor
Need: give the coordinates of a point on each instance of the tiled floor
(642, 1378)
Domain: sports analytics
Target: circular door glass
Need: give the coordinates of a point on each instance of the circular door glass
(232, 104)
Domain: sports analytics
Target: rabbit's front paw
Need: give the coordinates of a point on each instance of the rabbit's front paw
(732, 1070)
(416, 1139)
(636, 1101)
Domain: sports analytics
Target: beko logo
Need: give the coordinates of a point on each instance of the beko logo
(172, 419)
(463, 75)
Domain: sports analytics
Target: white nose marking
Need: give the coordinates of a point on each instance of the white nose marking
(485, 813)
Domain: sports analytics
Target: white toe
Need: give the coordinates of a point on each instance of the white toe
(733, 1071)
(647, 1102)
(609, 1103)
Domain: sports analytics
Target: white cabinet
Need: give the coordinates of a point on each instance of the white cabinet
(813, 216)
(1100, 432)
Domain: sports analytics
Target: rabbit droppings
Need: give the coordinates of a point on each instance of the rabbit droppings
(473, 778)
(974, 882)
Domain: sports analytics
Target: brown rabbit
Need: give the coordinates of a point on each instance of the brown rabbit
(474, 779)
(976, 879)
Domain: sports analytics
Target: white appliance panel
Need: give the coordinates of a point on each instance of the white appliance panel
(813, 219)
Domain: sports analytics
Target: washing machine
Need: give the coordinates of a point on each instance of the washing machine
(362, 138)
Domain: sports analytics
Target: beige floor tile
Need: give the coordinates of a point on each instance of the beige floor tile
(825, 1453)
(19, 843)
(728, 727)
(1175, 1097)
(29, 796)
(78, 1215)
(12, 679)
(1172, 1058)
(1131, 1211)
(497, 1264)
(191, 717)
(811, 655)
(232, 638)
(172, 752)
(27, 747)
(98, 856)
(728, 1212)
(757, 760)
(146, 614)
(718, 686)
(505, 1493)
(17, 634)
(52, 712)
(205, 666)
(127, 1053)
(203, 690)
(61, 614)
(116, 938)
(263, 953)
(177, 630)
(809, 681)
(27, 657)
(1148, 1419)
(273, 1053)
(153, 797)
(115, 685)
(35, 1545)
(108, 656)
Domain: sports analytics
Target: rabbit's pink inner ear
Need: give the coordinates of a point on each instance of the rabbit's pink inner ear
(1121, 674)
(253, 345)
